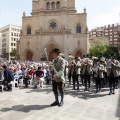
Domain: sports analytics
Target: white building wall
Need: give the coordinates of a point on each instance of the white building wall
(9, 35)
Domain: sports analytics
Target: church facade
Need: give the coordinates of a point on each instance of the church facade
(53, 24)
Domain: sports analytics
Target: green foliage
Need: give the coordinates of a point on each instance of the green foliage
(102, 49)
(13, 53)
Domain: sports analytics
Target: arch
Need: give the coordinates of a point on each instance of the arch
(50, 57)
(47, 5)
(50, 47)
(79, 54)
(58, 5)
(28, 30)
(29, 55)
(78, 28)
(53, 5)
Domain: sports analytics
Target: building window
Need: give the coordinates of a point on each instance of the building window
(58, 5)
(14, 44)
(11, 33)
(53, 5)
(4, 45)
(115, 39)
(28, 30)
(11, 38)
(4, 40)
(53, 25)
(48, 5)
(4, 35)
(11, 44)
(78, 28)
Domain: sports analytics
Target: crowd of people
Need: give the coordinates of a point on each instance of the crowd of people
(77, 70)
(37, 71)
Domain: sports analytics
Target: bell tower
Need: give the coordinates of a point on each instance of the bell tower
(69, 4)
(39, 6)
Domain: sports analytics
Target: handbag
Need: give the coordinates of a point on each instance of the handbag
(37, 78)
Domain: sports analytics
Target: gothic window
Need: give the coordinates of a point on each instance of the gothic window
(53, 25)
(48, 5)
(53, 5)
(58, 5)
(28, 30)
(78, 28)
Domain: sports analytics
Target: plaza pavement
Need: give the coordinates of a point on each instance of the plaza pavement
(34, 104)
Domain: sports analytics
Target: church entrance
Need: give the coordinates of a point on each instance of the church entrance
(50, 55)
(29, 56)
(78, 54)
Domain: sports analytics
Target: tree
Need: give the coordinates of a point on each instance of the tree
(13, 53)
(102, 49)
(98, 50)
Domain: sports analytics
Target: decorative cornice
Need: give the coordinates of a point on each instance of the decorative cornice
(56, 31)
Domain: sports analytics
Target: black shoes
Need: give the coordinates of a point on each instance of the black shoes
(113, 92)
(55, 104)
(116, 87)
(110, 93)
(61, 104)
(96, 91)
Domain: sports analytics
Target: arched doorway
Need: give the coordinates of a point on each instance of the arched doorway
(78, 54)
(28, 55)
(50, 55)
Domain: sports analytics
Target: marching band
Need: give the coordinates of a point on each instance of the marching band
(99, 71)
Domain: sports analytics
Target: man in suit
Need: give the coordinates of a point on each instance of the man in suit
(87, 72)
(99, 75)
(58, 79)
(113, 74)
(75, 71)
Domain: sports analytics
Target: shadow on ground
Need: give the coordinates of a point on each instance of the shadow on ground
(23, 108)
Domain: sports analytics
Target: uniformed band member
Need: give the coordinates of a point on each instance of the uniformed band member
(99, 75)
(113, 73)
(75, 71)
(58, 79)
(87, 72)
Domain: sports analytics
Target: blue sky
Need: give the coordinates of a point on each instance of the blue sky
(100, 12)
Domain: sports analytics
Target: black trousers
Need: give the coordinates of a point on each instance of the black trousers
(75, 79)
(7, 84)
(82, 79)
(112, 81)
(58, 86)
(98, 83)
(26, 81)
(69, 77)
(116, 81)
(87, 81)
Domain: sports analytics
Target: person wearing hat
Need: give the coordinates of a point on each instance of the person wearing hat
(75, 71)
(87, 72)
(113, 74)
(58, 79)
(99, 75)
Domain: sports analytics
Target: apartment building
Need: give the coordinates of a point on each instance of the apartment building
(9, 35)
(110, 31)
